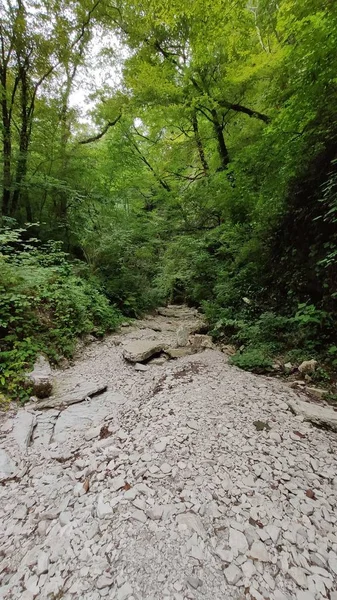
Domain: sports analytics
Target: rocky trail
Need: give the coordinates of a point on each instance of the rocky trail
(144, 478)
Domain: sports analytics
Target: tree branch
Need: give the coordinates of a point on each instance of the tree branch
(99, 135)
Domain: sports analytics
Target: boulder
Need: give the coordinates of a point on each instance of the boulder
(78, 393)
(308, 366)
(41, 378)
(200, 341)
(139, 350)
(180, 352)
(323, 416)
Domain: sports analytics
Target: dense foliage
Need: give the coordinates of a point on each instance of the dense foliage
(207, 173)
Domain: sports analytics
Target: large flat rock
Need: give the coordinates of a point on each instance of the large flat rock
(80, 417)
(7, 466)
(24, 424)
(139, 350)
(77, 394)
(323, 416)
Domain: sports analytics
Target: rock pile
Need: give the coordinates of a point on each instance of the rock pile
(173, 494)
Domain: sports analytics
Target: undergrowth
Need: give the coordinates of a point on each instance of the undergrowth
(46, 303)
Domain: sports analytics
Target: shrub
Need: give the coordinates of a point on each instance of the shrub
(252, 360)
(44, 306)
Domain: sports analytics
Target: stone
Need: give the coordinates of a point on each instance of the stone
(305, 595)
(32, 585)
(273, 435)
(316, 392)
(76, 395)
(103, 509)
(233, 574)
(259, 552)
(140, 367)
(332, 562)
(314, 413)
(179, 352)
(278, 595)
(7, 465)
(104, 581)
(200, 341)
(138, 351)
(42, 563)
(79, 490)
(41, 378)
(166, 468)
(308, 366)
(20, 512)
(24, 424)
(273, 532)
(193, 522)
(248, 569)
(238, 541)
(139, 515)
(155, 513)
(92, 433)
(124, 592)
(183, 334)
(194, 582)
(117, 483)
(160, 446)
(225, 555)
(65, 518)
(192, 424)
(299, 576)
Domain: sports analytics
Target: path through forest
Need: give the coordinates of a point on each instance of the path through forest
(188, 480)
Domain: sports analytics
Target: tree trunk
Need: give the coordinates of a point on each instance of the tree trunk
(223, 152)
(198, 142)
(7, 148)
(24, 139)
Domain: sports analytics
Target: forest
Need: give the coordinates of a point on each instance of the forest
(156, 152)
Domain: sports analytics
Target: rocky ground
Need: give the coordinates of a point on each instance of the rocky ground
(188, 480)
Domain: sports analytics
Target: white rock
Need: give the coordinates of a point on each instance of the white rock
(32, 585)
(140, 367)
(104, 510)
(232, 574)
(259, 552)
(92, 433)
(42, 563)
(20, 512)
(273, 532)
(166, 468)
(194, 582)
(238, 541)
(299, 576)
(161, 445)
(7, 466)
(278, 595)
(273, 435)
(104, 581)
(332, 562)
(193, 522)
(117, 483)
(124, 592)
(65, 518)
(139, 515)
(79, 490)
(155, 513)
(248, 569)
(192, 424)
(225, 555)
(305, 595)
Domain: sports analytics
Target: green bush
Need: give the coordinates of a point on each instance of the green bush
(253, 359)
(44, 306)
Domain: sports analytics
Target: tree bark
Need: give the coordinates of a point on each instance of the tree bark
(223, 151)
(198, 142)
